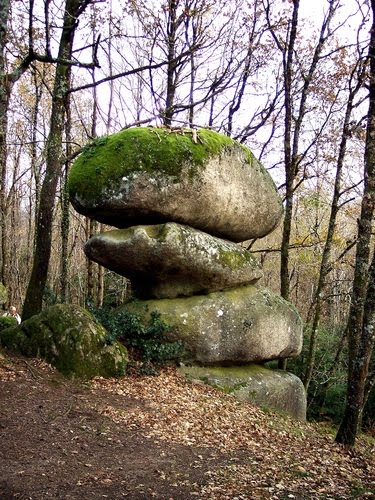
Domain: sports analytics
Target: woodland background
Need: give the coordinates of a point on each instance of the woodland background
(292, 81)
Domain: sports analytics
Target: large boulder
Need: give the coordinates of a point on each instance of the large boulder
(69, 338)
(171, 260)
(274, 389)
(243, 325)
(147, 175)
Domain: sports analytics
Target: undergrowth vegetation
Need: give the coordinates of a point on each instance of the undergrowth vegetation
(146, 342)
(327, 391)
(7, 321)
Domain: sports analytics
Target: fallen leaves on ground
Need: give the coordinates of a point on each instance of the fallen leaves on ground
(269, 456)
(163, 437)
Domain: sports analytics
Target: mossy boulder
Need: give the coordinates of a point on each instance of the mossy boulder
(171, 260)
(147, 175)
(69, 338)
(274, 389)
(3, 294)
(243, 325)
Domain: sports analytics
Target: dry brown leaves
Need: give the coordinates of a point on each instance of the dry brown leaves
(243, 453)
(268, 456)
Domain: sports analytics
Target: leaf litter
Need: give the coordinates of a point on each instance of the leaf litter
(162, 437)
(277, 457)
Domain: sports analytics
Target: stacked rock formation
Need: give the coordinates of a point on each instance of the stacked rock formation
(182, 200)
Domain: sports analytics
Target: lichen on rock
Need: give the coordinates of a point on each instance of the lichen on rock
(171, 260)
(242, 325)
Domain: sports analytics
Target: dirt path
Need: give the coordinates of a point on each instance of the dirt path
(162, 438)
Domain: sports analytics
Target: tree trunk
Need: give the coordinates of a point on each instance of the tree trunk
(90, 286)
(4, 104)
(360, 327)
(325, 266)
(356, 394)
(171, 68)
(65, 217)
(34, 295)
(35, 165)
(293, 121)
(7, 81)
(100, 286)
(290, 167)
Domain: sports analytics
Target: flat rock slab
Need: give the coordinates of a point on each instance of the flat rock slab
(147, 175)
(275, 389)
(171, 260)
(242, 325)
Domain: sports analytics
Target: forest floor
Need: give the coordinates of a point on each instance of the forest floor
(161, 437)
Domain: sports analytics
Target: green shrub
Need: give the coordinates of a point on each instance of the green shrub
(49, 297)
(146, 342)
(333, 405)
(6, 322)
(327, 389)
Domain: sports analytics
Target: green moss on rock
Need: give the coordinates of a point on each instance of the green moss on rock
(141, 149)
(69, 338)
(234, 259)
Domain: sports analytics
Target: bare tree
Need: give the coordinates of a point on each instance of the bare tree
(295, 111)
(356, 81)
(34, 295)
(7, 81)
(361, 320)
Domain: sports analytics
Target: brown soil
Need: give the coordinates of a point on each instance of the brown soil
(160, 437)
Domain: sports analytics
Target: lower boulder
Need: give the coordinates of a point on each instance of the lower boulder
(69, 338)
(274, 389)
(242, 325)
